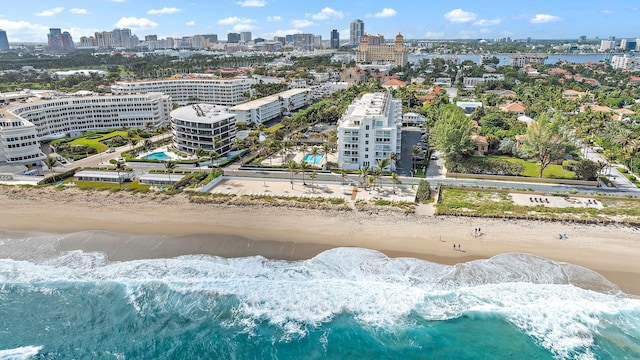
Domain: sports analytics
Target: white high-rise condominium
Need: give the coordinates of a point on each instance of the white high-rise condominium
(356, 30)
(369, 130)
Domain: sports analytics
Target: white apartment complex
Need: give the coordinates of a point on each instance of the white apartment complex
(625, 62)
(524, 60)
(24, 125)
(270, 107)
(475, 81)
(370, 129)
(204, 126)
(218, 91)
(19, 142)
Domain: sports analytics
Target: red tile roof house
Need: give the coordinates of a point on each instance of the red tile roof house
(514, 107)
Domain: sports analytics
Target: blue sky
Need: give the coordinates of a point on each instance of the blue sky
(29, 20)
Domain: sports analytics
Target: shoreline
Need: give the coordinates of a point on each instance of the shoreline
(293, 233)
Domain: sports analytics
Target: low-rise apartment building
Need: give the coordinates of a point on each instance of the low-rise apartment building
(369, 130)
(270, 107)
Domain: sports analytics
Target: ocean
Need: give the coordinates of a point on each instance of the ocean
(344, 303)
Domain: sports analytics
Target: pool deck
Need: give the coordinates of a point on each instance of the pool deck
(172, 156)
(240, 186)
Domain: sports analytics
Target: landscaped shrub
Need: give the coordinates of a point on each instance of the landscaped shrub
(424, 191)
(489, 166)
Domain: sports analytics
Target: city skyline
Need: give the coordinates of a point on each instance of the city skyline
(29, 20)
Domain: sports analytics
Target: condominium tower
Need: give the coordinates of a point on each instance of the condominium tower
(369, 130)
(356, 31)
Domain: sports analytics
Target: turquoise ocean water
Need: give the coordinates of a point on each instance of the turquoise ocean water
(344, 303)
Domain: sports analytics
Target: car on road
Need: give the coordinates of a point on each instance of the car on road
(434, 157)
(110, 150)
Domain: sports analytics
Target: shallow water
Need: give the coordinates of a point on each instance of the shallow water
(343, 303)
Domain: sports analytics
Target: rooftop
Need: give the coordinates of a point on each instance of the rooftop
(268, 99)
(204, 113)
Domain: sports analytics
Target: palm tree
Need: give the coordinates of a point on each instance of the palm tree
(119, 165)
(394, 159)
(314, 152)
(292, 166)
(147, 144)
(304, 167)
(132, 142)
(415, 152)
(364, 174)
(50, 161)
(169, 166)
(376, 174)
(200, 153)
(313, 176)
(216, 143)
(383, 164)
(213, 157)
(395, 180)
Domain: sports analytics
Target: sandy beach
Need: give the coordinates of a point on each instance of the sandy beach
(290, 233)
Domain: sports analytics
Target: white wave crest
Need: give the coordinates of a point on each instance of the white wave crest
(536, 295)
(21, 353)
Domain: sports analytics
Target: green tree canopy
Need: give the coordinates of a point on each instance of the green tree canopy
(545, 141)
(452, 134)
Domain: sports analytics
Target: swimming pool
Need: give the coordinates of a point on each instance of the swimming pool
(313, 159)
(161, 155)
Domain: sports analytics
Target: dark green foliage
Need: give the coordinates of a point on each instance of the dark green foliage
(424, 191)
(491, 166)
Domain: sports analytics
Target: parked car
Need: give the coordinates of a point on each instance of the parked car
(434, 157)
(110, 150)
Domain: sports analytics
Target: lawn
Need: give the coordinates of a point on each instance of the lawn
(98, 185)
(478, 202)
(94, 139)
(532, 169)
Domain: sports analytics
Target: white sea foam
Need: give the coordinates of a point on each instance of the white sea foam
(21, 353)
(536, 295)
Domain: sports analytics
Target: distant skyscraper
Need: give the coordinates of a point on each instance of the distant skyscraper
(245, 36)
(59, 42)
(233, 38)
(582, 39)
(356, 30)
(335, 39)
(4, 43)
(151, 38)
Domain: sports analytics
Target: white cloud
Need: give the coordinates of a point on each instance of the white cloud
(434, 35)
(50, 12)
(134, 22)
(274, 18)
(467, 34)
(190, 23)
(544, 18)
(301, 23)
(460, 16)
(252, 3)
(24, 31)
(119, 1)
(164, 11)
(244, 27)
(272, 34)
(80, 11)
(235, 20)
(384, 13)
(326, 13)
(607, 12)
(485, 22)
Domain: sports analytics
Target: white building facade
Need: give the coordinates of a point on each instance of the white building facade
(270, 107)
(369, 130)
(65, 116)
(204, 126)
(225, 92)
(625, 62)
(19, 142)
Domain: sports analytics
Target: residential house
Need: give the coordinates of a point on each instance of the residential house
(514, 107)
